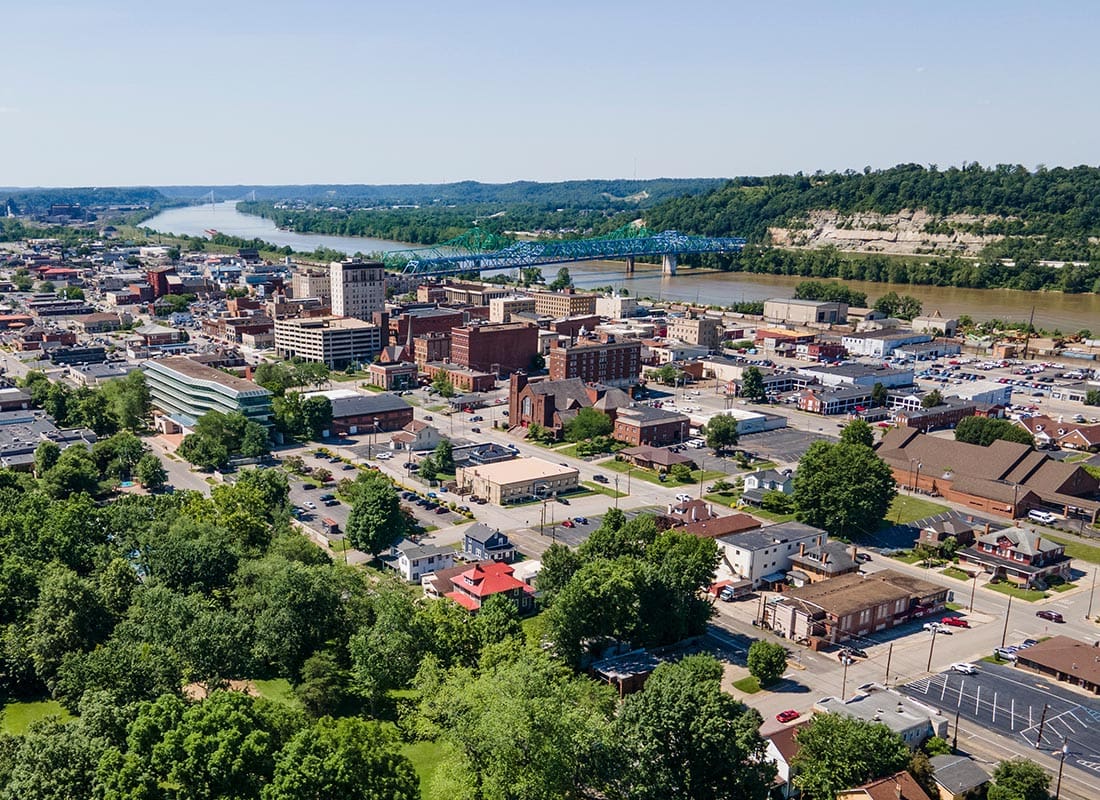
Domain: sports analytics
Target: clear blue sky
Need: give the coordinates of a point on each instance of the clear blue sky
(114, 92)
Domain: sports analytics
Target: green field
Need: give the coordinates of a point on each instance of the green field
(17, 717)
(277, 690)
(595, 487)
(910, 509)
(748, 685)
(650, 476)
(1079, 550)
(955, 572)
(1030, 595)
(426, 758)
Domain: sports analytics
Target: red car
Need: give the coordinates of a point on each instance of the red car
(787, 716)
(955, 622)
(568, 523)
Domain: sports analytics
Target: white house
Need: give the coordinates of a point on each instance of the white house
(416, 436)
(757, 484)
(764, 556)
(413, 561)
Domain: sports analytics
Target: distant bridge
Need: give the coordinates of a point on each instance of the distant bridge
(477, 250)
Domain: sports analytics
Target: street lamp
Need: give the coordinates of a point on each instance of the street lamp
(702, 469)
(1061, 766)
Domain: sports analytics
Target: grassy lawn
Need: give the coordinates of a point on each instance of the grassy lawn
(15, 718)
(907, 557)
(595, 487)
(954, 606)
(651, 476)
(955, 572)
(435, 409)
(571, 451)
(748, 685)
(771, 515)
(1079, 550)
(724, 498)
(909, 509)
(1030, 595)
(425, 757)
(278, 690)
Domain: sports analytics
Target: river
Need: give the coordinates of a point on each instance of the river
(1069, 312)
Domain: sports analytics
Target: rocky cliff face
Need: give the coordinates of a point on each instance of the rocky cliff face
(905, 233)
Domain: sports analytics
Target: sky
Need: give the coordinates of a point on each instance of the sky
(118, 92)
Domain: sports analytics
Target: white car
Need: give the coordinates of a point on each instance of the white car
(965, 668)
(384, 455)
(683, 498)
(310, 505)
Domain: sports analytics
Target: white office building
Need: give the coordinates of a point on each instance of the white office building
(358, 288)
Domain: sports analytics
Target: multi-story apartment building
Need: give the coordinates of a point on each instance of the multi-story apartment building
(431, 347)
(564, 304)
(495, 348)
(180, 386)
(501, 309)
(334, 341)
(312, 283)
(609, 363)
(419, 321)
(616, 306)
(705, 331)
(358, 288)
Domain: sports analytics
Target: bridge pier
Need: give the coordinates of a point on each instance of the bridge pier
(668, 264)
(630, 265)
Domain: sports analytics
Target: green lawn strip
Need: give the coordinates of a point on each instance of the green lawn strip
(954, 606)
(955, 572)
(909, 509)
(595, 487)
(907, 557)
(772, 516)
(277, 690)
(15, 718)
(426, 758)
(1030, 595)
(651, 477)
(435, 409)
(724, 498)
(1079, 550)
(748, 685)
(1061, 587)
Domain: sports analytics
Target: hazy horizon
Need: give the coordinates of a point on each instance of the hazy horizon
(121, 93)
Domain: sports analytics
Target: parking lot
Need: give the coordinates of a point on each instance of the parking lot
(1017, 704)
(782, 446)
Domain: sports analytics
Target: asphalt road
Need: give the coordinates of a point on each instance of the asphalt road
(1018, 705)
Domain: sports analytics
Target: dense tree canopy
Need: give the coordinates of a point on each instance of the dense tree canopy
(986, 430)
(844, 488)
(838, 752)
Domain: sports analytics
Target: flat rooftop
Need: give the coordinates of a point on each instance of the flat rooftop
(337, 323)
(521, 469)
(200, 372)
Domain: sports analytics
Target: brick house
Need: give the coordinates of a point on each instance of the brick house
(1017, 555)
(650, 426)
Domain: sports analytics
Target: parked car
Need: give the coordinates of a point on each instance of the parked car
(787, 716)
(581, 520)
(310, 505)
(965, 668)
(955, 622)
(475, 430)
(1053, 616)
(327, 496)
(599, 478)
(1006, 653)
(442, 510)
(567, 523)
(937, 627)
(1044, 517)
(563, 501)
(862, 558)
(428, 417)
(855, 651)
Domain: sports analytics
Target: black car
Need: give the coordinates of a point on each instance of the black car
(855, 651)
(327, 497)
(599, 478)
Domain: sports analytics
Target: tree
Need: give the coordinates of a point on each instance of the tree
(682, 736)
(385, 656)
(497, 621)
(767, 661)
(844, 488)
(538, 362)
(721, 432)
(375, 521)
(752, 385)
(428, 469)
(559, 564)
(316, 416)
(1019, 779)
(1092, 397)
(275, 376)
(444, 456)
(54, 761)
(668, 374)
(562, 281)
(74, 472)
(45, 457)
(203, 451)
(347, 758)
(986, 430)
(601, 600)
(932, 399)
(128, 400)
(589, 423)
(324, 689)
(858, 431)
(442, 384)
(837, 752)
(879, 395)
(681, 472)
(255, 442)
(69, 617)
(150, 472)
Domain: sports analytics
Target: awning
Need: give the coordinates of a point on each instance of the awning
(775, 577)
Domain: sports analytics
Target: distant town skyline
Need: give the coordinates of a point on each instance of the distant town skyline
(118, 92)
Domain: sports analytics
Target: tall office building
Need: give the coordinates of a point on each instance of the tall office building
(358, 288)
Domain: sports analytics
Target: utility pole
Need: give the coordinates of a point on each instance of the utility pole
(844, 680)
(973, 588)
(1008, 611)
(931, 647)
(1042, 722)
(702, 469)
(616, 492)
(1061, 766)
(1092, 593)
(889, 655)
(955, 741)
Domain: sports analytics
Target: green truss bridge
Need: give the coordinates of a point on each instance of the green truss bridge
(478, 250)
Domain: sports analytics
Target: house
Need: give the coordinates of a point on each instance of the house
(481, 581)
(757, 484)
(660, 459)
(1070, 435)
(1064, 659)
(963, 530)
(763, 556)
(815, 563)
(782, 747)
(416, 436)
(914, 722)
(482, 543)
(831, 611)
(899, 786)
(644, 425)
(717, 527)
(356, 413)
(684, 512)
(958, 777)
(1020, 556)
(413, 561)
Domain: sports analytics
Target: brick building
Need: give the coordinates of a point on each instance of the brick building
(354, 413)
(650, 426)
(572, 326)
(462, 378)
(431, 347)
(704, 331)
(564, 304)
(610, 363)
(501, 348)
(423, 321)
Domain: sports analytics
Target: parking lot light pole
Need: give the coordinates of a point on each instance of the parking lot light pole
(973, 589)
(1061, 766)
(932, 647)
(1042, 722)
(1092, 593)
(1008, 611)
